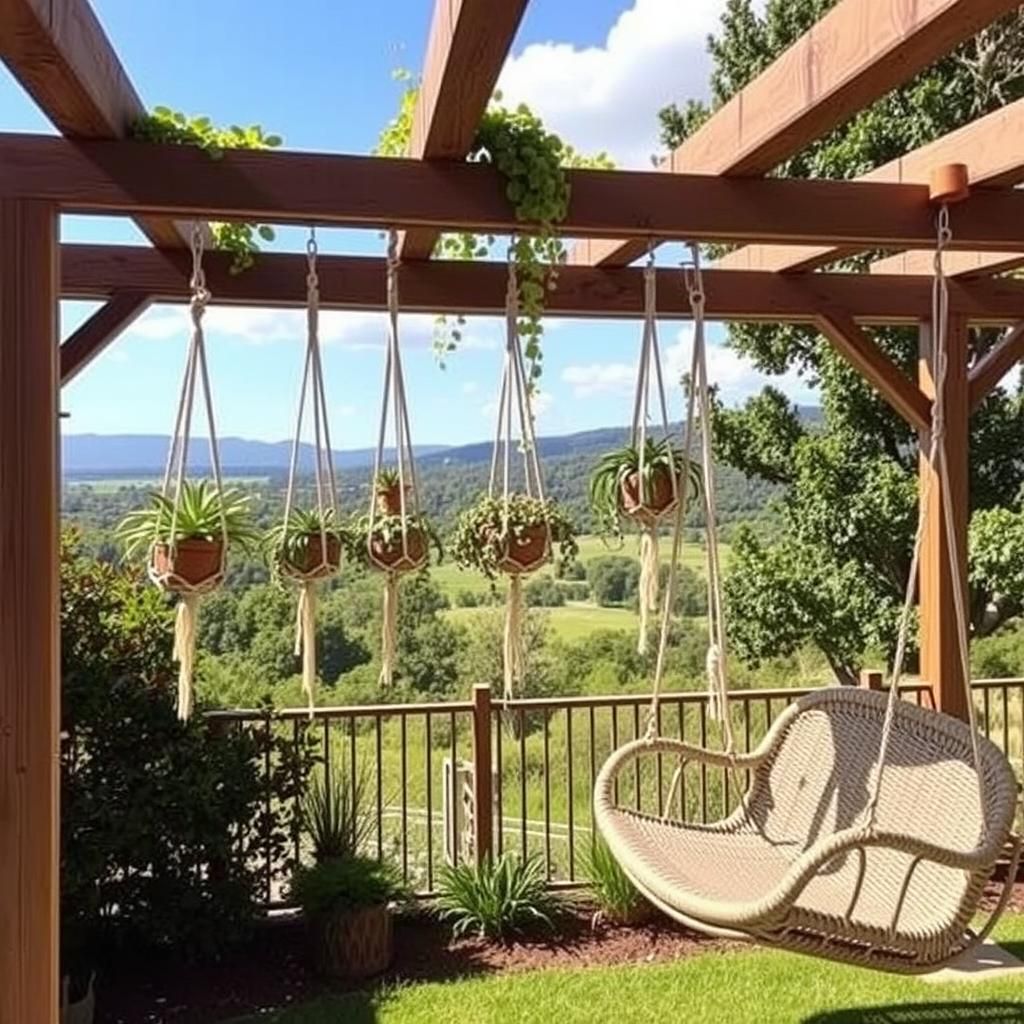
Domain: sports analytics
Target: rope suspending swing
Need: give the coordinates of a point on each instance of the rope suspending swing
(166, 549)
(528, 554)
(410, 552)
(321, 553)
(870, 826)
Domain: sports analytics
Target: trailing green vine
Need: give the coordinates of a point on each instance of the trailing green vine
(171, 126)
(534, 163)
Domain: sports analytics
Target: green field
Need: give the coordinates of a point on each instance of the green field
(573, 621)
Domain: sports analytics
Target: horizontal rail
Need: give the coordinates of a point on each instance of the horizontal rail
(341, 711)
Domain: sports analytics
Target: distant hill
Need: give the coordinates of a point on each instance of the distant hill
(145, 455)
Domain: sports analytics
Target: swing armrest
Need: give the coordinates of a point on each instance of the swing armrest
(604, 785)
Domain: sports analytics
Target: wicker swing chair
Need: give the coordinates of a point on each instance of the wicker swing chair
(869, 828)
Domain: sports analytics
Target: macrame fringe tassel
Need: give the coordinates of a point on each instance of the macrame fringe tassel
(648, 586)
(389, 630)
(515, 655)
(305, 640)
(185, 622)
(716, 698)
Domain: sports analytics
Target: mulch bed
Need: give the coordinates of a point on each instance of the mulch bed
(271, 972)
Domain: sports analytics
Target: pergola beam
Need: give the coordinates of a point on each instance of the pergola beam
(861, 352)
(65, 62)
(98, 331)
(856, 53)
(358, 191)
(453, 286)
(955, 264)
(468, 43)
(992, 148)
(995, 365)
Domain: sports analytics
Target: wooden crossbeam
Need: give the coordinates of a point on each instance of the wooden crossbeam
(956, 264)
(992, 148)
(467, 46)
(132, 177)
(848, 338)
(98, 331)
(60, 54)
(431, 286)
(856, 53)
(995, 364)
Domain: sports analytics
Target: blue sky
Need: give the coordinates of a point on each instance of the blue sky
(318, 72)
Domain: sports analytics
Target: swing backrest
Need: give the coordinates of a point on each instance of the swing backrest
(824, 765)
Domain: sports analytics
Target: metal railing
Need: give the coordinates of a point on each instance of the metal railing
(520, 774)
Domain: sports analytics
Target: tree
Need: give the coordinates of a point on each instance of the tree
(613, 579)
(835, 574)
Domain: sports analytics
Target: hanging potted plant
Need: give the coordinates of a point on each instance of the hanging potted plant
(309, 544)
(513, 536)
(636, 483)
(393, 543)
(348, 903)
(190, 553)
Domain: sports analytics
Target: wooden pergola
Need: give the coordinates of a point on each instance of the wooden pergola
(712, 188)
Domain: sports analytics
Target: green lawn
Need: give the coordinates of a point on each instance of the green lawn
(742, 987)
(570, 622)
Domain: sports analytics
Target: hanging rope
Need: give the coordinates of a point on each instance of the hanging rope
(514, 393)
(413, 552)
(937, 459)
(164, 568)
(648, 515)
(321, 561)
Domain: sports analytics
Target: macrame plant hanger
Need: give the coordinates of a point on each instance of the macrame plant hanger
(322, 559)
(514, 394)
(164, 552)
(412, 552)
(645, 509)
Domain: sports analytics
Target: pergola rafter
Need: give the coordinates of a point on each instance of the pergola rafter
(56, 48)
(855, 54)
(467, 46)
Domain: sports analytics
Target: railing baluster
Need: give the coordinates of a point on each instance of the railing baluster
(500, 788)
(296, 799)
(637, 781)
(703, 708)
(405, 798)
(570, 810)
(353, 768)
(522, 780)
(658, 769)
(428, 776)
(455, 795)
(615, 743)
(378, 722)
(547, 799)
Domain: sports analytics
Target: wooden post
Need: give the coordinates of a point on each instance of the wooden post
(871, 679)
(483, 803)
(29, 614)
(940, 657)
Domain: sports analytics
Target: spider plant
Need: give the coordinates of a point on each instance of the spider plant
(481, 535)
(291, 541)
(497, 898)
(204, 513)
(619, 472)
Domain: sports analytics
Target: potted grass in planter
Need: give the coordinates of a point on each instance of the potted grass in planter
(186, 551)
(510, 536)
(348, 903)
(309, 545)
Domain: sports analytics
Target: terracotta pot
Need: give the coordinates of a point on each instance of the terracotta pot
(353, 943)
(389, 500)
(312, 557)
(196, 561)
(649, 507)
(392, 557)
(526, 552)
(949, 183)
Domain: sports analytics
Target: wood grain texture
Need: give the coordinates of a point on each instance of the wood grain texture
(467, 46)
(96, 333)
(940, 659)
(957, 264)
(58, 51)
(29, 623)
(432, 286)
(128, 177)
(992, 148)
(995, 364)
(857, 52)
(861, 352)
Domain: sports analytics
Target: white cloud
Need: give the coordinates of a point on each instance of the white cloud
(593, 379)
(357, 330)
(471, 387)
(607, 97)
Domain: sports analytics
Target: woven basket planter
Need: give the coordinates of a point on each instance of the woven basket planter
(313, 564)
(392, 557)
(353, 944)
(195, 562)
(527, 552)
(647, 509)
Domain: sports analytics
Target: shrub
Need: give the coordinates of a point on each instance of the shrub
(543, 592)
(496, 899)
(345, 883)
(616, 897)
(161, 820)
(468, 599)
(613, 579)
